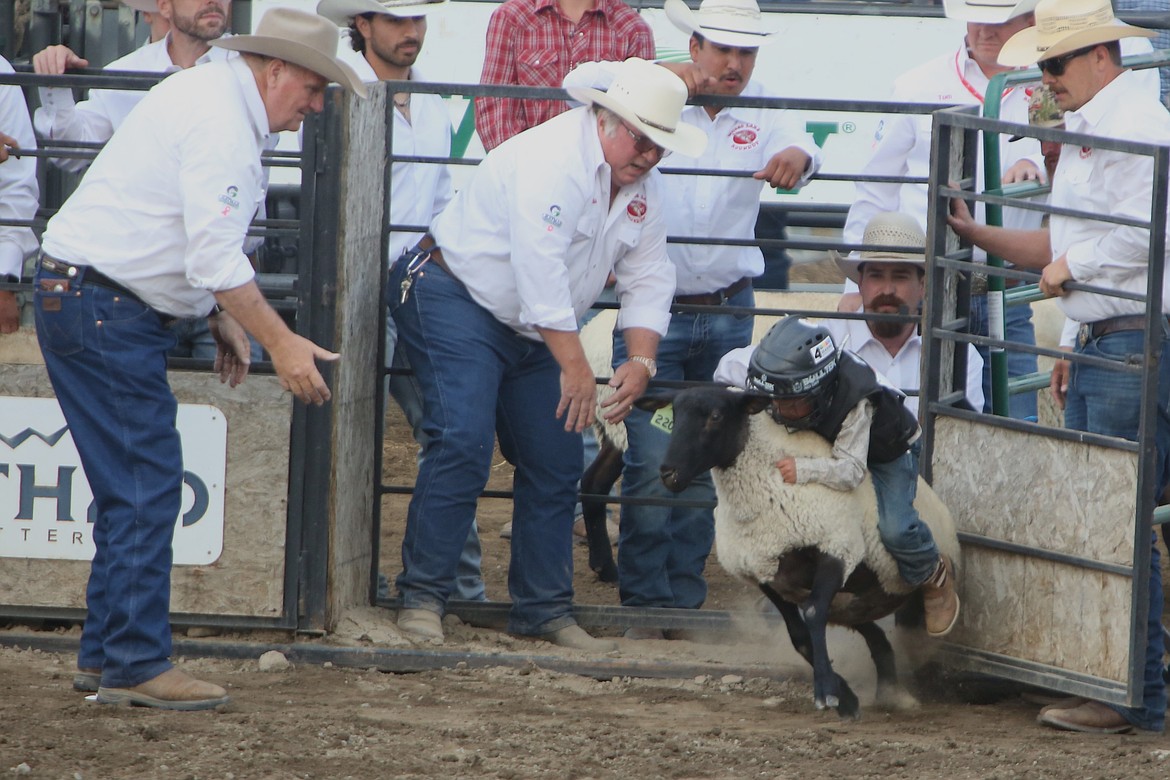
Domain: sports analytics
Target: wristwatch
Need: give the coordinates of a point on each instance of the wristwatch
(650, 363)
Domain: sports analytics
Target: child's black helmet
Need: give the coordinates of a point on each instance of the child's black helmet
(796, 359)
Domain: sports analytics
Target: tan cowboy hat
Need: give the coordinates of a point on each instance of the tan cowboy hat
(301, 38)
(723, 22)
(987, 11)
(890, 228)
(340, 12)
(1063, 26)
(144, 6)
(650, 98)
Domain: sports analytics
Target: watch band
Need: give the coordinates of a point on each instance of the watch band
(650, 363)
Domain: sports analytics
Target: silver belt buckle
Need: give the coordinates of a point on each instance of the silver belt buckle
(1084, 333)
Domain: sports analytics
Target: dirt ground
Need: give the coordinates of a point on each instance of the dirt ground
(744, 709)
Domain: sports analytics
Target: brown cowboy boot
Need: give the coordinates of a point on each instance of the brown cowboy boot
(940, 600)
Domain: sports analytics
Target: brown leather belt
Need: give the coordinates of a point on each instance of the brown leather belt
(1101, 328)
(717, 298)
(427, 243)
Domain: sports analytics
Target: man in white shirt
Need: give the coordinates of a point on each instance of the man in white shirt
(389, 36)
(662, 550)
(18, 196)
(1076, 46)
(194, 24)
(488, 315)
(154, 232)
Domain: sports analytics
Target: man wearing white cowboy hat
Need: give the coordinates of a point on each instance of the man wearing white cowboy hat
(1076, 45)
(535, 43)
(902, 148)
(158, 24)
(663, 550)
(516, 259)
(389, 36)
(155, 232)
(194, 24)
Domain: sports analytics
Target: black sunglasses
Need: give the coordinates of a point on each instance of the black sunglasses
(643, 145)
(1055, 66)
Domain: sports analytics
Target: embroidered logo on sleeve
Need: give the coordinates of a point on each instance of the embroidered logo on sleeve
(745, 136)
(228, 199)
(552, 217)
(636, 208)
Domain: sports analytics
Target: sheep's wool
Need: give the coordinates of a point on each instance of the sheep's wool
(760, 517)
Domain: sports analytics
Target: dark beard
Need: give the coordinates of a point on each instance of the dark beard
(884, 329)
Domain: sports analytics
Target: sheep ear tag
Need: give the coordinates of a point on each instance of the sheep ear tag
(663, 419)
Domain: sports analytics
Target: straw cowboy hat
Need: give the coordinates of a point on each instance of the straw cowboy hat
(301, 38)
(144, 6)
(1063, 26)
(651, 99)
(889, 228)
(987, 11)
(340, 12)
(723, 22)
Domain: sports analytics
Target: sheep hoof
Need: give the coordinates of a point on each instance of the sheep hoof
(819, 703)
(607, 573)
(832, 701)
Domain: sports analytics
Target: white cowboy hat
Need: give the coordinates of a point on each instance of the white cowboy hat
(1063, 26)
(650, 98)
(340, 12)
(890, 228)
(301, 38)
(144, 6)
(987, 11)
(723, 22)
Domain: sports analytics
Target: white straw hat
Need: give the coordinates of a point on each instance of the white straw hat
(650, 98)
(987, 11)
(341, 11)
(301, 38)
(890, 228)
(1063, 26)
(144, 6)
(723, 22)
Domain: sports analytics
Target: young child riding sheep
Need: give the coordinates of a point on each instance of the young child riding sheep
(815, 385)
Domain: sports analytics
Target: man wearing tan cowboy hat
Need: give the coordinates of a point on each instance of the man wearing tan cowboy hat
(155, 232)
(535, 43)
(516, 259)
(194, 24)
(1075, 43)
(663, 550)
(159, 25)
(389, 36)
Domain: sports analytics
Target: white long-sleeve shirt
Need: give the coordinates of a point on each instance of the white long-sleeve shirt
(164, 208)
(18, 180)
(738, 139)
(418, 191)
(533, 237)
(1112, 183)
(95, 120)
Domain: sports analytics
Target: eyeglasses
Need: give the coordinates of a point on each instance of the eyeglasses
(643, 145)
(1054, 66)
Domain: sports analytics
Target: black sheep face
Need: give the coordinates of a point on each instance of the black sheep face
(710, 431)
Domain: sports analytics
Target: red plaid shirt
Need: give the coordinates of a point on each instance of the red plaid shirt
(531, 43)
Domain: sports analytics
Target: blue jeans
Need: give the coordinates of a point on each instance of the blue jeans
(905, 536)
(1104, 401)
(662, 550)
(193, 339)
(478, 377)
(1017, 326)
(406, 391)
(106, 355)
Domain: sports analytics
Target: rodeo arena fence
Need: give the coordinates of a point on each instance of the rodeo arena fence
(1054, 523)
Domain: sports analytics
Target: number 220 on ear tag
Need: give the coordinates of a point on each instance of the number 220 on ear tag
(663, 419)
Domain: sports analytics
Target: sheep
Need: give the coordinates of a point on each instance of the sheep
(813, 551)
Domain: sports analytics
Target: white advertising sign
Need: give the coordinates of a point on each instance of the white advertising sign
(46, 505)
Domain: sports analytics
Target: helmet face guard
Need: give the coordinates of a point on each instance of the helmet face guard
(796, 360)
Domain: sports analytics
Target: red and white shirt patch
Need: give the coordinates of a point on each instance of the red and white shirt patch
(636, 208)
(745, 136)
